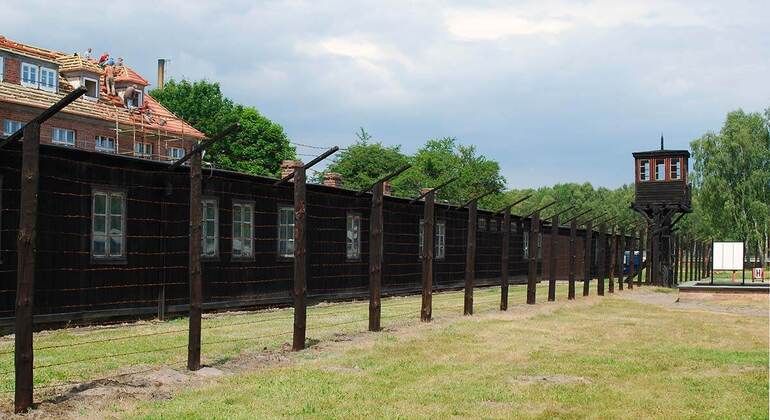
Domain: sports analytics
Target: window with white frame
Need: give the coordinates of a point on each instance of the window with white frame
(108, 225)
(175, 153)
(92, 87)
(143, 149)
(63, 136)
(660, 170)
(105, 144)
(353, 238)
(286, 232)
(243, 229)
(439, 236)
(676, 169)
(29, 75)
(209, 228)
(2, 68)
(644, 170)
(11, 126)
(48, 79)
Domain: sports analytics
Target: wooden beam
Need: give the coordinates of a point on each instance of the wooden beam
(552, 259)
(612, 243)
(504, 258)
(575, 217)
(196, 286)
(620, 255)
(631, 261)
(470, 259)
(433, 190)
(602, 252)
(300, 259)
(203, 145)
(26, 245)
(477, 198)
(539, 210)
(427, 257)
(642, 249)
(510, 206)
(385, 178)
(533, 250)
(308, 165)
(572, 258)
(587, 263)
(375, 255)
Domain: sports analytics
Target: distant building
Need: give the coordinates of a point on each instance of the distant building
(32, 79)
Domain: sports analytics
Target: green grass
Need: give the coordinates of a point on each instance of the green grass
(224, 336)
(618, 359)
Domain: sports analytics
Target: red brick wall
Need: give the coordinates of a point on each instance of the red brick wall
(11, 73)
(86, 131)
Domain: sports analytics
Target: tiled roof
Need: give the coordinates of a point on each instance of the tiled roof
(152, 115)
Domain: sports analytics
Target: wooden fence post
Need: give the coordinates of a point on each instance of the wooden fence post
(613, 244)
(552, 267)
(427, 258)
(26, 246)
(533, 251)
(631, 259)
(300, 259)
(504, 258)
(601, 254)
(587, 261)
(470, 259)
(620, 254)
(642, 262)
(375, 256)
(572, 259)
(650, 255)
(196, 287)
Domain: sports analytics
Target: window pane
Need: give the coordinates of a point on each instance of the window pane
(247, 248)
(116, 204)
(209, 211)
(116, 246)
(208, 229)
(116, 227)
(100, 225)
(237, 214)
(237, 246)
(100, 204)
(99, 246)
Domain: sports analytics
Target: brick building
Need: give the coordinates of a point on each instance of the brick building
(129, 122)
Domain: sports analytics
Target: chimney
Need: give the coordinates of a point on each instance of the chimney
(288, 166)
(387, 188)
(333, 179)
(161, 72)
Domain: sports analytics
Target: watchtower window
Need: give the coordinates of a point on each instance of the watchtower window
(660, 170)
(644, 170)
(676, 169)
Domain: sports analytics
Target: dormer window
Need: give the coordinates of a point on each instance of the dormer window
(39, 77)
(676, 169)
(92, 86)
(660, 170)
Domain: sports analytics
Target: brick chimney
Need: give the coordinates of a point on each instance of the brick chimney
(288, 166)
(387, 188)
(333, 179)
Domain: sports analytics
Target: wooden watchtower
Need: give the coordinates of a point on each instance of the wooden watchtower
(662, 192)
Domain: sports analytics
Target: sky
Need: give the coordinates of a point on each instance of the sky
(555, 91)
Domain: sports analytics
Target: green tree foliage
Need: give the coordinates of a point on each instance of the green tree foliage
(258, 148)
(443, 159)
(365, 162)
(731, 179)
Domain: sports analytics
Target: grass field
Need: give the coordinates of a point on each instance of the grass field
(594, 357)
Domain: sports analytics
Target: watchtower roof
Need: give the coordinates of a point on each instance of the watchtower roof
(662, 152)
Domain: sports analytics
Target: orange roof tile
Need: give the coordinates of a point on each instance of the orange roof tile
(152, 115)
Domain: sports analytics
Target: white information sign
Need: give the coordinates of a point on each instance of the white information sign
(728, 255)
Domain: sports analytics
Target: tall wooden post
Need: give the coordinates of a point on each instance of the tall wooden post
(504, 257)
(427, 258)
(375, 256)
(300, 259)
(533, 250)
(612, 240)
(602, 253)
(651, 269)
(631, 260)
(196, 286)
(687, 258)
(572, 259)
(26, 246)
(642, 263)
(552, 267)
(587, 262)
(470, 259)
(676, 259)
(620, 256)
(691, 261)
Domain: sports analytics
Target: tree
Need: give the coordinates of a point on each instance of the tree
(731, 179)
(258, 148)
(366, 161)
